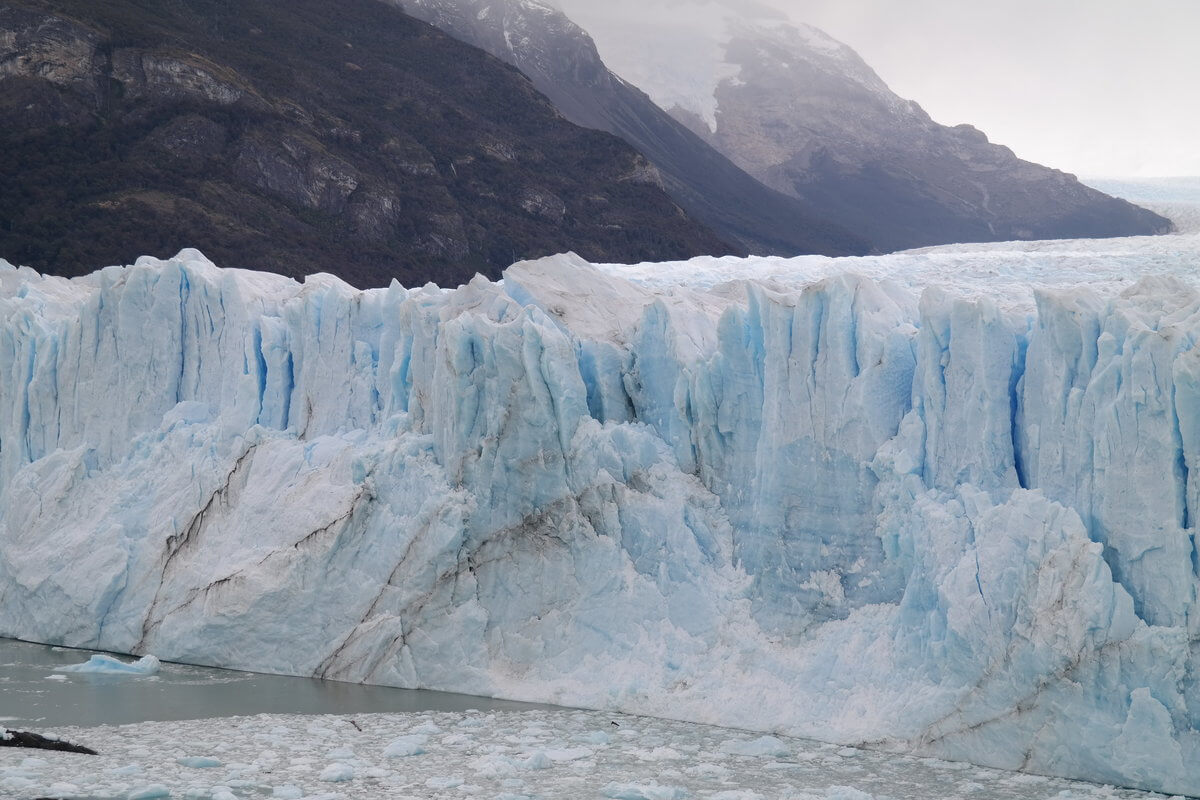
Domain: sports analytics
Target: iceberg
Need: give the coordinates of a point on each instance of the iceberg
(941, 502)
(101, 664)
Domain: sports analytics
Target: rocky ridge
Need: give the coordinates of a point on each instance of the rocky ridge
(807, 116)
(562, 61)
(363, 143)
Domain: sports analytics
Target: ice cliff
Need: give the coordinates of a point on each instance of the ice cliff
(942, 502)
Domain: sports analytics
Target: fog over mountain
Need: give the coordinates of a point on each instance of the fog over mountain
(561, 60)
(810, 117)
(1103, 88)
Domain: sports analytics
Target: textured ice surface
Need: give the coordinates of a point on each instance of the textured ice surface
(940, 502)
(1177, 199)
(100, 664)
(505, 755)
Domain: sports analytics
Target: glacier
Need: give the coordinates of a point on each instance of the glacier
(941, 502)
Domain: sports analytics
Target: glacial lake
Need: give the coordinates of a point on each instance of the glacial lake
(205, 733)
(33, 696)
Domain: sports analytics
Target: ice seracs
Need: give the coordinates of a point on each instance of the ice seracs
(873, 501)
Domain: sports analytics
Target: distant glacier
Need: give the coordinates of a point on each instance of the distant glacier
(942, 502)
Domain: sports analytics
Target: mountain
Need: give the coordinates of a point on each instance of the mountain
(561, 60)
(943, 503)
(300, 138)
(807, 116)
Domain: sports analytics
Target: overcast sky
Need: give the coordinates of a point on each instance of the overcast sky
(1094, 87)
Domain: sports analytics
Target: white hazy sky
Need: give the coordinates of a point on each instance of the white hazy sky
(1094, 87)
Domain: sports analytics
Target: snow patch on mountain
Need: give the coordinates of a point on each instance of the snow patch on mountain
(885, 501)
(678, 53)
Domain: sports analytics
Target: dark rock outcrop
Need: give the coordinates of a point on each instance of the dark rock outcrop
(300, 137)
(36, 741)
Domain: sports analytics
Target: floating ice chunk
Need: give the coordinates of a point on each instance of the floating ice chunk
(337, 773)
(493, 766)
(101, 664)
(538, 760)
(445, 782)
(198, 762)
(762, 746)
(659, 754)
(150, 792)
(570, 754)
(643, 791)
(17, 783)
(846, 793)
(409, 745)
(56, 677)
(287, 791)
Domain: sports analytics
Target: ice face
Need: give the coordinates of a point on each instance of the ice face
(884, 501)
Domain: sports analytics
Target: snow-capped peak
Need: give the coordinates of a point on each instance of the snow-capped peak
(682, 59)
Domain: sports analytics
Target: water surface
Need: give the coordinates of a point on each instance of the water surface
(33, 695)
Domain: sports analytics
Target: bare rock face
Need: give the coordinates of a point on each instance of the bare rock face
(297, 171)
(300, 139)
(48, 68)
(49, 48)
(543, 204)
(165, 76)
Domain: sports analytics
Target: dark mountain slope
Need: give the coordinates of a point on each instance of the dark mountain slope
(299, 137)
(805, 115)
(562, 61)
(809, 117)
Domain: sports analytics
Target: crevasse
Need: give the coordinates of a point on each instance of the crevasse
(840, 507)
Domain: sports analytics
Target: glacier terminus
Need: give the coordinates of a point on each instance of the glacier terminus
(943, 501)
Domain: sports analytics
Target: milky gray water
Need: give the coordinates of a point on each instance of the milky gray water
(33, 695)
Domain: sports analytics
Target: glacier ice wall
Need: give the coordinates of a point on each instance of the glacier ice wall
(845, 507)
